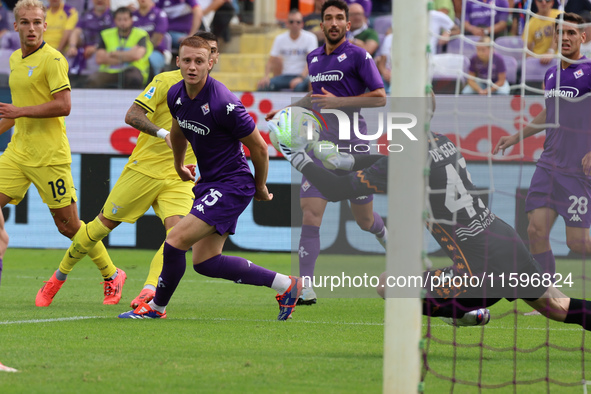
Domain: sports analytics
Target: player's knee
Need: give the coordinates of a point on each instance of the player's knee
(311, 217)
(365, 223)
(536, 232)
(580, 246)
(66, 227)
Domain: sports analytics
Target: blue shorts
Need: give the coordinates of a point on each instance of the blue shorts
(568, 195)
(220, 204)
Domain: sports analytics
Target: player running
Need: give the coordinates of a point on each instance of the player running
(337, 69)
(148, 179)
(205, 113)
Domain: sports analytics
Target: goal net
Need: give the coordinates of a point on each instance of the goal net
(517, 350)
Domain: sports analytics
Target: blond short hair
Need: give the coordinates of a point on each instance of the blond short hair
(22, 4)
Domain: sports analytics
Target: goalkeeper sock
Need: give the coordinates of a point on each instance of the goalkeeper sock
(547, 262)
(237, 269)
(173, 269)
(579, 312)
(378, 228)
(156, 266)
(308, 252)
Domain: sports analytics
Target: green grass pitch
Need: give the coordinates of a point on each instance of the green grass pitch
(223, 337)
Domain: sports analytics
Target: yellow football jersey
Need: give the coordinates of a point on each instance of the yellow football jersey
(151, 155)
(33, 80)
(64, 19)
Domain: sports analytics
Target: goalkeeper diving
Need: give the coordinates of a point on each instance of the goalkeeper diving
(491, 246)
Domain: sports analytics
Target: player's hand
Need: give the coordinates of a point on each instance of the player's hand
(506, 142)
(191, 168)
(586, 162)
(325, 100)
(263, 194)
(9, 111)
(270, 115)
(186, 173)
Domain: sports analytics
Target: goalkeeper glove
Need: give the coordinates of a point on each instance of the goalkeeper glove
(332, 159)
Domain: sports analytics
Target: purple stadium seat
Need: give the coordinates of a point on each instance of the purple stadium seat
(511, 66)
(534, 71)
(450, 66)
(469, 45)
(510, 46)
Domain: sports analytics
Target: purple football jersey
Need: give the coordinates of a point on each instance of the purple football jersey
(155, 21)
(213, 122)
(179, 12)
(348, 71)
(479, 14)
(92, 25)
(566, 145)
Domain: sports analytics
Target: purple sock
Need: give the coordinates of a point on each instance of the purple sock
(377, 227)
(237, 269)
(0, 269)
(546, 261)
(309, 250)
(173, 270)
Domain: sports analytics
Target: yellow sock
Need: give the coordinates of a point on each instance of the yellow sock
(156, 266)
(101, 258)
(87, 238)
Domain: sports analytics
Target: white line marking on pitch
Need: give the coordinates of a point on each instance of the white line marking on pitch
(293, 321)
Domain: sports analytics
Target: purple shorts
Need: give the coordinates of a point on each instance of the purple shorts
(220, 204)
(568, 195)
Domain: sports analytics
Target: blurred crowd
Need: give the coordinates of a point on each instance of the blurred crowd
(120, 43)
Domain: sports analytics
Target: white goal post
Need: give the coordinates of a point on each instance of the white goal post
(406, 190)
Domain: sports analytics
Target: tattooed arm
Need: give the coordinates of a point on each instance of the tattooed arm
(136, 117)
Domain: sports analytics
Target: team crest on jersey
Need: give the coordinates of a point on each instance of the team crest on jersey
(178, 102)
(205, 108)
(578, 74)
(31, 68)
(115, 208)
(305, 186)
(342, 57)
(150, 93)
(315, 59)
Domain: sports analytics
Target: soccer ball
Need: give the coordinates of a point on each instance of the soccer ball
(295, 127)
